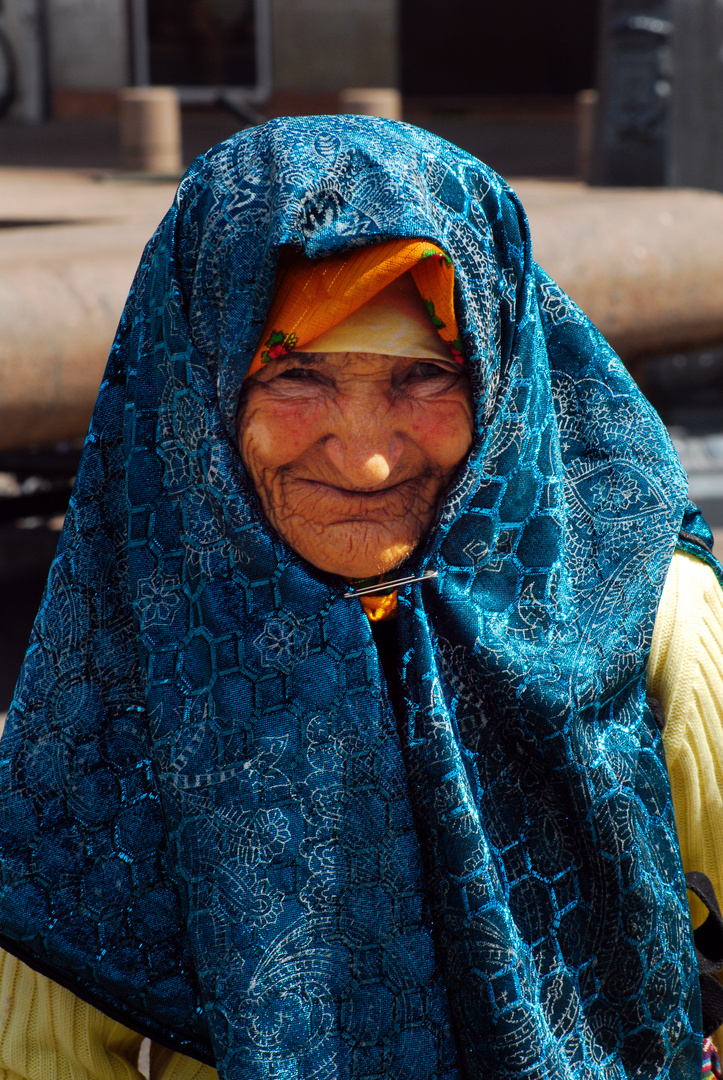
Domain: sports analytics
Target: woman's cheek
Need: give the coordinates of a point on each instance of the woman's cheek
(279, 432)
(443, 430)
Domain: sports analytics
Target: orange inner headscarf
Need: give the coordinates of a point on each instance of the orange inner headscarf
(314, 296)
(379, 608)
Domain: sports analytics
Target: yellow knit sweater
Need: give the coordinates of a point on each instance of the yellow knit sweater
(46, 1033)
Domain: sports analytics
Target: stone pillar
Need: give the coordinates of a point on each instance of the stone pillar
(150, 129)
(586, 106)
(697, 119)
(88, 44)
(634, 80)
(372, 101)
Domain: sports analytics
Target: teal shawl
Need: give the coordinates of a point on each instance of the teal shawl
(213, 824)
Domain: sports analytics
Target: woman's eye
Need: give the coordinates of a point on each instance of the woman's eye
(298, 382)
(425, 370)
(297, 374)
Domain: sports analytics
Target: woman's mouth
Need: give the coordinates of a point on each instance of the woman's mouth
(362, 493)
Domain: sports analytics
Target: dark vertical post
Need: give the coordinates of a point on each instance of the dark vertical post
(634, 79)
(137, 29)
(697, 119)
(44, 78)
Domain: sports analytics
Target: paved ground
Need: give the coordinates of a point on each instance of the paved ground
(92, 143)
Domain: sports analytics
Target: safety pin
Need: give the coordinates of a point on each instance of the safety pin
(387, 586)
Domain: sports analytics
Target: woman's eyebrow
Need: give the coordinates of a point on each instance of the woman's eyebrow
(305, 359)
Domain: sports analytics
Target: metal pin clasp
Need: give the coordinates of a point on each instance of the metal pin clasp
(387, 586)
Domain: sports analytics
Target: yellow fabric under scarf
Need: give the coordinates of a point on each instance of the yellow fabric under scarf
(395, 322)
(313, 296)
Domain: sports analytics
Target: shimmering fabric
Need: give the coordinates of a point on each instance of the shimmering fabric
(210, 822)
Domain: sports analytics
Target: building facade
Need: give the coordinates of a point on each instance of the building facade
(75, 54)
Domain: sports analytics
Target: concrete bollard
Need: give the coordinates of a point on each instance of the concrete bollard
(586, 105)
(372, 101)
(150, 129)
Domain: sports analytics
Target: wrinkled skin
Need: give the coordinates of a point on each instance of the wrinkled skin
(352, 453)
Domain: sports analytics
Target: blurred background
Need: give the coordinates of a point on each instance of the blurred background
(605, 115)
(469, 69)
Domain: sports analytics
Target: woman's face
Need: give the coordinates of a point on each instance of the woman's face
(352, 453)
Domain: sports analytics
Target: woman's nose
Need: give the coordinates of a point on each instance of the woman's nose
(364, 447)
(363, 462)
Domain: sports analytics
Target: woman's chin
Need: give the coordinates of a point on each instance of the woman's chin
(357, 552)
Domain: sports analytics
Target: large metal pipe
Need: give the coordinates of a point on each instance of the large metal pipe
(57, 326)
(646, 266)
(62, 289)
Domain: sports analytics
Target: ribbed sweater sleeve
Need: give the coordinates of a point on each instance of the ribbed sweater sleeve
(166, 1065)
(47, 1033)
(686, 676)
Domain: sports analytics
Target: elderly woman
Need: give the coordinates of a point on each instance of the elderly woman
(331, 757)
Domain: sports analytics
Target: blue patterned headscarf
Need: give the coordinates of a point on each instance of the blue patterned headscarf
(212, 824)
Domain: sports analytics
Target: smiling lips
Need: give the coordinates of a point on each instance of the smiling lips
(365, 494)
(350, 504)
(355, 492)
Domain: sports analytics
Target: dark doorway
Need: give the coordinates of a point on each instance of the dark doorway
(202, 42)
(518, 47)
